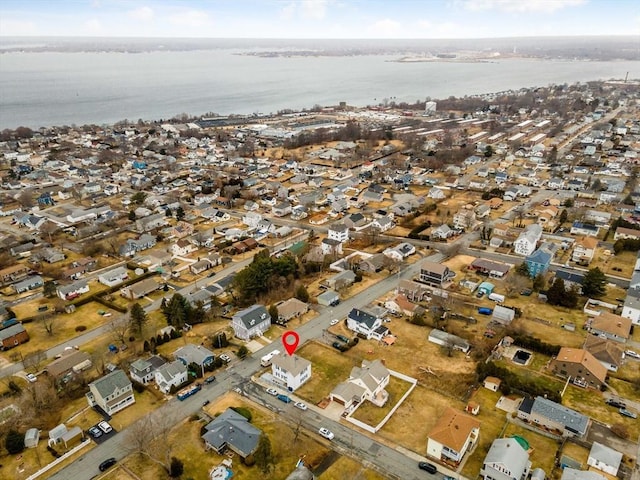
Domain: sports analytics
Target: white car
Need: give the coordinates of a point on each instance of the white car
(334, 321)
(300, 405)
(31, 377)
(225, 358)
(328, 434)
(105, 427)
(272, 391)
(632, 354)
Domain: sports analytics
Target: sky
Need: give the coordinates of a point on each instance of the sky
(319, 18)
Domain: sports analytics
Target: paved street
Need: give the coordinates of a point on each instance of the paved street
(238, 375)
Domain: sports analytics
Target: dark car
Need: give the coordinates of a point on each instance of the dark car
(108, 463)
(210, 379)
(616, 403)
(427, 467)
(284, 398)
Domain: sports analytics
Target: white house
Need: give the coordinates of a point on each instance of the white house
(183, 247)
(365, 383)
(527, 241)
(506, 460)
(251, 322)
(111, 393)
(291, 371)
(69, 292)
(170, 375)
(604, 458)
(366, 324)
(339, 232)
(113, 277)
(584, 249)
(453, 436)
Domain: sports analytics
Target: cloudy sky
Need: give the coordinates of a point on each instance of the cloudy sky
(319, 18)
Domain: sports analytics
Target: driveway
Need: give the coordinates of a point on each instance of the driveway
(602, 434)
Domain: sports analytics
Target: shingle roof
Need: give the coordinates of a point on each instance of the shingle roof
(508, 452)
(111, 382)
(572, 420)
(453, 429)
(234, 430)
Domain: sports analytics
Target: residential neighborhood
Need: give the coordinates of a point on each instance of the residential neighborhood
(464, 285)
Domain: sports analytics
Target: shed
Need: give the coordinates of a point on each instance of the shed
(503, 315)
(492, 383)
(31, 438)
(486, 288)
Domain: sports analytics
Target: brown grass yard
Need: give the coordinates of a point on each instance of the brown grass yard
(576, 452)
(625, 261)
(492, 422)
(372, 414)
(345, 467)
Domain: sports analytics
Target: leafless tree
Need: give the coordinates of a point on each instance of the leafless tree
(118, 328)
(25, 199)
(149, 436)
(34, 359)
(49, 228)
(47, 320)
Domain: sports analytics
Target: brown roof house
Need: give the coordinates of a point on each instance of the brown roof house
(584, 249)
(454, 435)
(581, 366)
(71, 362)
(140, 289)
(608, 353)
(291, 308)
(611, 326)
(492, 383)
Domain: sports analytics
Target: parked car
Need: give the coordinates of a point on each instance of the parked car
(272, 391)
(326, 433)
(334, 321)
(95, 432)
(205, 403)
(284, 398)
(427, 467)
(105, 427)
(108, 463)
(616, 403)
(628, 413)
(31, 377)
(300, 405)
(225, 358)
(210, 379)
(628, 353)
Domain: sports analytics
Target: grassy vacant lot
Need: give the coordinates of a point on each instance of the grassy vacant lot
(624, 261)
(371, 414)
(329, 369)
(542, 453)
(345, 467)
(493, 421)
(590, 402)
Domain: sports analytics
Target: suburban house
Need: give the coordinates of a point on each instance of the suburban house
(197, 354)
(183, 247)
(13, 273)
(584, 249)
(51, 255)
(506, 460)
(328, 298)
(13, 336)
(464, 219)
(341, 280)
(580, 366)
(626, 233)
(454, 435)
(366, 324)
(113, 277)
(631, 307)
(550, 415)
(233, 431)
(71, 362)
(539, 261)
(251, 322)
(489, 267)
(146, 224)
(608, 353)
(74, 290)
(290, 309)
(132, 246)
(290, 370)
(414, 291)
(442, 232)
(400, 251)
(339, 232)
(604, 458)
(435, 274)
(143, 370)
(140, 289)
(373, 263)
(111, 393)
(400, 305)
(365, 383)
(170, 375)
(611, 326)
(528, 239)
(569, 473)
(29, 283)
(586, 229)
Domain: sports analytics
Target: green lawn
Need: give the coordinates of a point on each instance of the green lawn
(373, 415)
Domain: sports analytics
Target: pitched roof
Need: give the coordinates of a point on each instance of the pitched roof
(111, 382)
(572, 420)
(453, 429)
(252, 316)
(611, 323)
(293, 364)
(584, 358)
(508, 452)
(604, 350)
(232, 429)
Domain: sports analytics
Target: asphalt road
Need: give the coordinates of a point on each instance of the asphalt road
(239, 375)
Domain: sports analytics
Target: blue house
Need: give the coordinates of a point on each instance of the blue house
(486, 288)
(45, 199)
(139, 164)
(538, 262)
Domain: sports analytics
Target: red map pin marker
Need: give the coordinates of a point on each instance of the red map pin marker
(290, 341)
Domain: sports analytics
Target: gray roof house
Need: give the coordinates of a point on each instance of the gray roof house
(143, 369)
(251, 322)
(553, 416)
(197, 354)
(170, 375)
(366, 324)
(604, 458)
(231, 430)
(111, 393)
(445, 339)
(506, 460)
(28, 284)
(575, 474)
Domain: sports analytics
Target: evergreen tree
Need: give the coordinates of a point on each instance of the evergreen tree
(556, 292)
(132, 215)
(263, 455)
(594, 283)
(523, 270)
(302, 294)
(137, 318)
(176, 468)
(49, 289)
(180, 213)
(273, 312)
(14, 442)
(538, 282)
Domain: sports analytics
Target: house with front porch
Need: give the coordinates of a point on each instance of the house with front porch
(366, 324)
(364, 383)
(111, 393)
(454, 435)
(171, 376)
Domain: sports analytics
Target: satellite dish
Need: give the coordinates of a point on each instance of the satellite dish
(138, 271)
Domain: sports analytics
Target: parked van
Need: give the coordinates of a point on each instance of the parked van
(496, 297)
